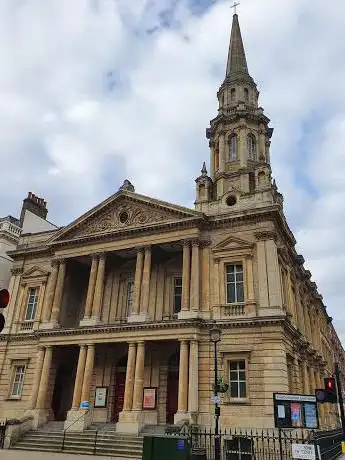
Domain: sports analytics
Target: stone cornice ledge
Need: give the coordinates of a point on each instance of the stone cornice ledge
(174, 324)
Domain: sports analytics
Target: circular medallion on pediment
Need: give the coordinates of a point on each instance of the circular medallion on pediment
(123, 217)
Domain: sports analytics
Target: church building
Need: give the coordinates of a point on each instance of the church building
(110, 316)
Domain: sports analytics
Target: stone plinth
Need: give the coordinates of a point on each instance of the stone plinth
(132, 421)
(77, 420)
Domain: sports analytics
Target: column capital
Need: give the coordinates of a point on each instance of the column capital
(148, 247)
(183, 341)
(186, 242)
(132, 344)
(265, 235)
(101, 255)
(195, 242)
(141, 343)
(55, 263)
(16, 271)
(47, 347)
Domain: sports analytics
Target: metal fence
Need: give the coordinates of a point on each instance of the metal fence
(269, 444)
(3, 426)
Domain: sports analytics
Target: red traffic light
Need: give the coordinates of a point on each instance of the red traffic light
(330, 383)
(4, 298)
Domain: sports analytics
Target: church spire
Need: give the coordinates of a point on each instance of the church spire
(237, 68)
(237, 62)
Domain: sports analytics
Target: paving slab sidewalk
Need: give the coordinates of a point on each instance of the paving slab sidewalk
(35, 455)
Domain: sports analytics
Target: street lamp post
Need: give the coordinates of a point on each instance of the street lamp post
(215, 334)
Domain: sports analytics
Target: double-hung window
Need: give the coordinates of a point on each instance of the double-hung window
(31, 305)
(234, 283)
(17, 381)
(177, 294)
(130, 296)
(237, 378)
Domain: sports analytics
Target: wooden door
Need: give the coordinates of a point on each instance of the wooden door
(119, 394)
(172, 396)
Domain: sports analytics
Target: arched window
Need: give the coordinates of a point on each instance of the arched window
(233, 94)
(246, 94)
(233, 148)
(251, 147)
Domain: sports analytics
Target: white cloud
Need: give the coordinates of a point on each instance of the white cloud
(67, 138)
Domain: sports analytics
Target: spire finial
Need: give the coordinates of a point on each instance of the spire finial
(204, 170)
(234, 6)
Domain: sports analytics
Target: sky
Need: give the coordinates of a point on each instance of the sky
(96, 91)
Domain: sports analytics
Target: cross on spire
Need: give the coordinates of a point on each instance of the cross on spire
(234, 6)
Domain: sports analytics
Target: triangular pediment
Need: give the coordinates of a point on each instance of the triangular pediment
(35, 272)
(233, 243)
(124, 211)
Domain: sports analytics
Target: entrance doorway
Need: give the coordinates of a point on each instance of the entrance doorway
(172, 388)
(119, 388)
(64, 382)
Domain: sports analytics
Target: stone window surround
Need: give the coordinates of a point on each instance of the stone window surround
(229, 260)
(26, 286)
(226, 357)
(174, 275)
(11, 372)
(37, 299)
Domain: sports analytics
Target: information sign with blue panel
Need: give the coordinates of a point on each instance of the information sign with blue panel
(295, 411)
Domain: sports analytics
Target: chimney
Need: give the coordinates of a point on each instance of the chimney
(35, 205)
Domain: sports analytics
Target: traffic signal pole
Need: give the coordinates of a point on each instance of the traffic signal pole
(341, 403)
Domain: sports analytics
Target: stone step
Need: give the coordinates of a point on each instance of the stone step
(106, 451)
(109, 443)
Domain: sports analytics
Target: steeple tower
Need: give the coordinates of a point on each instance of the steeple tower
(239, 139)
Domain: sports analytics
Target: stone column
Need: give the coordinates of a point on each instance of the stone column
(262, 273)
(273, 273)
(45, 374)
(85, 392)
(48, 304)
(91, 286)
(58, 292)
(296, 374)
(305, 378)
(193, 393)
(37, 377)
(128, 398)
(137, 281)
(183, 378)
(186, 275)
(98, 295)
(139, 377)
(145, 285)
(79, 377)
(195, 277)
(312, 380)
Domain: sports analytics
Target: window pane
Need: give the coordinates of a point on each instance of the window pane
(233, 376)
(231, 293)
(233, 365)
(234, 390)
(230, 268)
(239, 268)
(242, 375)
(240, 293)
(241, 364)
(243, 389)
(239, 277)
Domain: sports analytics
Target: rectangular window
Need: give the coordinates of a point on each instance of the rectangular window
(237, 379)
(130, 296)
(234, 284)
(31, 304)
(177, 294)
(18, 380)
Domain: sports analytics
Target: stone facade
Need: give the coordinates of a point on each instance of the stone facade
(124, 297)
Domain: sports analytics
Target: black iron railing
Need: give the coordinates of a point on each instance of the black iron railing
(265, 444)
(3, 426)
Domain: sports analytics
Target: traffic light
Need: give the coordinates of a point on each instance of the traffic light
(4, 300)
(329, 394)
